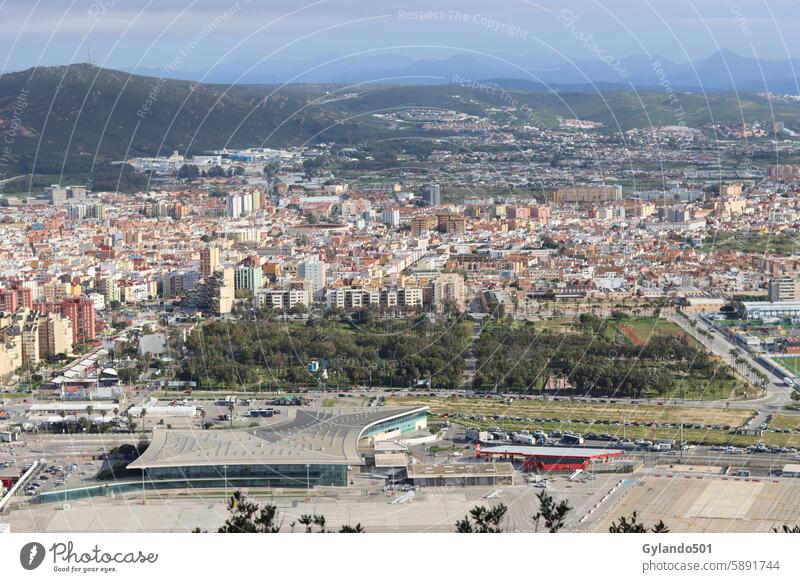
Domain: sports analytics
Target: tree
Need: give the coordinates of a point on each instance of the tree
(308, 521)
(215, 172)
(632, 525)
(551, 512)
(298, 309)
(249, 517)
(787, 529)
(188, 172)
(483, 520)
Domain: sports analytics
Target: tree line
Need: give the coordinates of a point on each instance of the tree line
(384, 353)
(595, 359)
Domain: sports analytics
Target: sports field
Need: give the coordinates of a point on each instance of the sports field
(641, 329)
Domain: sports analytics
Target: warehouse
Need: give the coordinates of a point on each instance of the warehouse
(309, 447)
(550, 459)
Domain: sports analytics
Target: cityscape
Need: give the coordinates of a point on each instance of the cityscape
(352, 297)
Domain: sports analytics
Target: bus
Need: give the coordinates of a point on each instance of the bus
(262, 412)
(571, 439)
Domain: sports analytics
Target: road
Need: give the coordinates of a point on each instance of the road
(778, 393)
(471, 359)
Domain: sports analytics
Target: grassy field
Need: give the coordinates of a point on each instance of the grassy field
(14, 395)
(785, 421)
(557, 324)
(751, 242)
(791, 363)
(641, 413)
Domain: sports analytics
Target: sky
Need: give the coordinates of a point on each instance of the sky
(199, 34)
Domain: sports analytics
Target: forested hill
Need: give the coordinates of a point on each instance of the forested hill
(65, 119)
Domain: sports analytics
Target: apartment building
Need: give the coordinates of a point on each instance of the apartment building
(581, 194)
(282, 299)
(784, 289)
(209, 261)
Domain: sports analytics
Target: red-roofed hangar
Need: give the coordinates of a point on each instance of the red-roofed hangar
(551, 459)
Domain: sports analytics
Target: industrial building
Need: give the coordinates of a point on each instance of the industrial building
(771, 309)
(548, 459)
(461, 474)
(308, 447)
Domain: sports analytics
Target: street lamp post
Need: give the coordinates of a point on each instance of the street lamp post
(308, 481)
(225, 478)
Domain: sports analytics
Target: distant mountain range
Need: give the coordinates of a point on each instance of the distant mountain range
(71, 118)
(722, 71)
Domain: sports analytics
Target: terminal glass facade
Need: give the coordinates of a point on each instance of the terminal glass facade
(255, 475)
(401, 424)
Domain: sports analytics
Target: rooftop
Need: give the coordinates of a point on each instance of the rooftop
(560, 452)
(418, 471)
(313, 435)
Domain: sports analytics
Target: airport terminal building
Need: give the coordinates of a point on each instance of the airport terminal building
(310, 447)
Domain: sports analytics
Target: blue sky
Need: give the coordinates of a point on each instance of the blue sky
(195, 34)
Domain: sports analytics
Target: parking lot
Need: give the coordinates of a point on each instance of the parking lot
(710, 503)
(434, 509)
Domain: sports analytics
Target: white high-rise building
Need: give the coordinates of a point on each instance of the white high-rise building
(247, 204)
(391, 217)
(233, 206)
(313, 272)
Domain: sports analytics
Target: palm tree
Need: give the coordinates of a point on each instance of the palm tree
(142, 414)
(89, 411)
